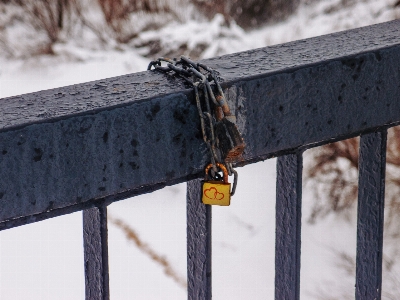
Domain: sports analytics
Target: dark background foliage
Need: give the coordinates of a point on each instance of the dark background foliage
(250, 13)
(332, 174)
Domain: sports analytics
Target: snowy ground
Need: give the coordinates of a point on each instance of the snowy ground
(45, 260)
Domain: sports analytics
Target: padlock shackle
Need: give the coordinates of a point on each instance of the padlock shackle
(222, 167)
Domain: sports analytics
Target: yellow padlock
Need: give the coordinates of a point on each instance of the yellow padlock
(216, 192)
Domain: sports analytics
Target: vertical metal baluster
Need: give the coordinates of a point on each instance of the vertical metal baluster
(96, 253)
(288, 227)
(198, 243)
(371, 203)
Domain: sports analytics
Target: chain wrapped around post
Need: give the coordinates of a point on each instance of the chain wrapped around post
(218, 125)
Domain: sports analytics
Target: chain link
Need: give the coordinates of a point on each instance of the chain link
(201, 77)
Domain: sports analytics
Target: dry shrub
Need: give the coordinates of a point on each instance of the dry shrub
(118, 13)
(46, 22)
(249, 13)
(333, 176)
(48, 16)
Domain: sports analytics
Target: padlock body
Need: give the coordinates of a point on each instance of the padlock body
(216, 193)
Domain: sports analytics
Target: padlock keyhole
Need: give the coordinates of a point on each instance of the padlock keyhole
(215, 175)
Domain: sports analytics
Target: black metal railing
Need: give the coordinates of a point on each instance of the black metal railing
(85, 146)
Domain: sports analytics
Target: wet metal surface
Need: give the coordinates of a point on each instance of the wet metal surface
(71, 147)
(288, 226)
(371, 205)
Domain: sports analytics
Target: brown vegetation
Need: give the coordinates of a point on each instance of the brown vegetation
(117, 14)
(333, 176)
(131, 235)
(249, 13)
(51, 21)
(48, 15)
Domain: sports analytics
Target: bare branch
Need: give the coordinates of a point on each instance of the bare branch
(146, 249)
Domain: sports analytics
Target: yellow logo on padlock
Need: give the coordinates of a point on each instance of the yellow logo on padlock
(216, 192)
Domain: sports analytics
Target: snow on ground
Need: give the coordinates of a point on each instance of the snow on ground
(45, 260)
(313, 19)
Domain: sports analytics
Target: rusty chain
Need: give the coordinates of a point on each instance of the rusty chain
(201, 78)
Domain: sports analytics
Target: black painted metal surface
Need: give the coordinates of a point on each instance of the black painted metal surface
(96, 253)
(371, 203)
(69, 147)
(288, 226)
(198, 243)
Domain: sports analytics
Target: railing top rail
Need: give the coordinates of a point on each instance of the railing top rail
(68, 148)
(103, 94)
